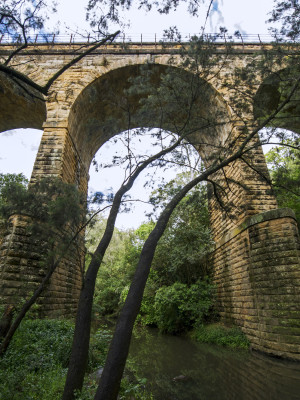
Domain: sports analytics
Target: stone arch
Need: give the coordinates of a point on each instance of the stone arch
(272, 92)
(21, 106)
(255, 260)
(96, 115)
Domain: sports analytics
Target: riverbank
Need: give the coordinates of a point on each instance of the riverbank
(159, 367)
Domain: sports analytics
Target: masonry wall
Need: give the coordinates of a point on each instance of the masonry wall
(256, 262)
(257, 272)
(22, 265)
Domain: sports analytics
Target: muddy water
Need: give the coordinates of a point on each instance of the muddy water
(179, 369)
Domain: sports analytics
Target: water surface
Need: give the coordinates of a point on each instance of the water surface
(207, 372)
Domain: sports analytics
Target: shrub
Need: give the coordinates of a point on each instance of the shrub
(221, 335)
(34, 365)
(179, 307)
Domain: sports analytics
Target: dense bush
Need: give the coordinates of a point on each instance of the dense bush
(177, 296)
(179, 307)
(284, 163)
(34, 365)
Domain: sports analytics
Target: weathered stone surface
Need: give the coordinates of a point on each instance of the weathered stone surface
(256, 259)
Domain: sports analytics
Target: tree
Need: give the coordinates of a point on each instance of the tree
(287, 14)
(55, 217)
(240, 148)
(10, 179)
(284, 163)
(19, 22)
(115, 271)
(79, 353)
(187, 238)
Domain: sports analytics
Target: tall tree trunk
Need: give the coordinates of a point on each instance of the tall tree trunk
(115, 362)
(109, 384)
(80, 346)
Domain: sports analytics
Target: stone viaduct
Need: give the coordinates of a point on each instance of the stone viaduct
(256, 258)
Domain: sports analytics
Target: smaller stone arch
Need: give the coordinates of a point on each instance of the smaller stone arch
(20, 105)
(272, 92)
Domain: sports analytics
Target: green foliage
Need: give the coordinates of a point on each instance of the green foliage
(284, 163)
(54, 209)
(115, 272)
(147, 315)
(181, 298)
(134, 390)
(187, 238)
(49, 200)
(179, 307)
(220, 335)
(33, 366)
(287, 13)
(99, 343)
(12, 178)
(13, 183)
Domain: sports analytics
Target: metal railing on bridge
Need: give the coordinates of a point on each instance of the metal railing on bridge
(44, 38)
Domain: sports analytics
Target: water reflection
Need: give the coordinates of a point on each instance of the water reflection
(208, 372)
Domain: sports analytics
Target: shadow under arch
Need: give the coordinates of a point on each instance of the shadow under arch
(121, 99)
(272, 92)
(20, 105)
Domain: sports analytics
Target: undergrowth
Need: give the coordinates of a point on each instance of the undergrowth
(221, 335)
(35, 364)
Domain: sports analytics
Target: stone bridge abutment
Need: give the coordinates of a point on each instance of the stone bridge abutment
(255, 264)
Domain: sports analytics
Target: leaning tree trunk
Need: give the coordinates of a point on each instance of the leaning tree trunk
(80, 346)
(79, 353)
(115, 362)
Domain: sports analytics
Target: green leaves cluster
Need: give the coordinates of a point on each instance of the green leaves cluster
(11, 182)
(287, 13)
(178, 295)
(221, 335)
(116, 269)
(284, 164)
(187, 238)
(34, 364)
(49, 200)
(179, 307)
(55, 210)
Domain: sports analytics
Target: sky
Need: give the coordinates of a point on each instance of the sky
(18, 148)
(243, 15)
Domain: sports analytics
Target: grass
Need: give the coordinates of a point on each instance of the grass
(221, 335)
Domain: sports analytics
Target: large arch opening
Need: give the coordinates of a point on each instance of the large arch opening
(117, 157)
(149, 96)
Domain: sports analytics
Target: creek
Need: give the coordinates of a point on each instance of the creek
(209, 372)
